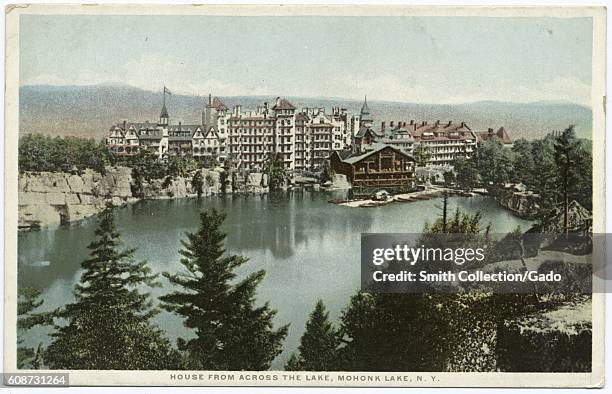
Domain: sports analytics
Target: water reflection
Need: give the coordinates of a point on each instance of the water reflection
(308, 247)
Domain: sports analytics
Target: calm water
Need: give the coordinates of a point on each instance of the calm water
(308, 247)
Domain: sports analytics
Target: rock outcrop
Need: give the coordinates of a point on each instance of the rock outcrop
(523, 203)
(556, 341)
(51, 198)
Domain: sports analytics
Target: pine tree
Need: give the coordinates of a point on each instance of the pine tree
(231, 333)
(28, 300)
(274, 169)
(197, 182)
(393, 332)
(319, 344)
(421, 155)
(109, 324)
(567, 151)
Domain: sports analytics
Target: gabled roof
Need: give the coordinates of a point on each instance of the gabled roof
(363, 130)
(500, 133)
(301, 117)
(218, 104)
(211, 133)
(283, 104)
(375, 149)
(343, 154)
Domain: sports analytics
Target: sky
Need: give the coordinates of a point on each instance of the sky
(444, 60)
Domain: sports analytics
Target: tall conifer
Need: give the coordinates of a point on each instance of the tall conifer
(231, 332)
(319, 344)
(109, 324)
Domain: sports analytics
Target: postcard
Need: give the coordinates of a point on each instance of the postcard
(283, 195)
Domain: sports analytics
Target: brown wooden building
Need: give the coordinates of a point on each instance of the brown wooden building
(382, 168)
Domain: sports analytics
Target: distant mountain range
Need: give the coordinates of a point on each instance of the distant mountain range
(91, 110)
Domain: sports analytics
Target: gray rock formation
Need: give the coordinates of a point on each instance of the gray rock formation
(49, 198)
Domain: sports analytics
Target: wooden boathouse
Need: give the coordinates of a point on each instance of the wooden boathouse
(381, 168)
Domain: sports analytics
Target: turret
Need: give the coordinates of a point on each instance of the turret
(163, 116)
(366, 118)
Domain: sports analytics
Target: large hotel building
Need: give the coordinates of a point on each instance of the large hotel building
(304, 138)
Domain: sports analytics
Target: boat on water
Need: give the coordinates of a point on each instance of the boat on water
(404, 198)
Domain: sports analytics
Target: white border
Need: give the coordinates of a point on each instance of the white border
(599, 157)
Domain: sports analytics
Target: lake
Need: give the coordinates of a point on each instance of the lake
(309, 248)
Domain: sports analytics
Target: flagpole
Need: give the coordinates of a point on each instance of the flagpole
(164, 94)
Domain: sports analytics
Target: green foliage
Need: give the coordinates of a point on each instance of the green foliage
(180, 165)
(210, 181)
(209, 162)
(294, 363)
(393, 332)
(466, 173)
(28, 300)
(197, 183)
(38, 152)
(319, 344)
(231, 332)
(551, 167)
(421, 155)
(327, 173)
(109, 325)
(494, 163)
(459, 223)
(274, 168)
(449, 178)
(574, 172)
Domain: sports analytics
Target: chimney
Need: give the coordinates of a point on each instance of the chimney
(382, 126)
(209, 99)
(411, 122)
(490, 130)
(180, 125)
(450, 122)
(124, 124)
(391, 124)
(462, 124)
(278, 101)
(437, 122)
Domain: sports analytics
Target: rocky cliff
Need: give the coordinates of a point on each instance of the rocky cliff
(523, 204)
(50, 198)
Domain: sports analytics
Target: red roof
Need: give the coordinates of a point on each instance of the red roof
(440, 131)
(301, 117)
(219, 105)
(501, 134)
(283, 104)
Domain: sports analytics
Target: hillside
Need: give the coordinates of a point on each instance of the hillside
(90, 110)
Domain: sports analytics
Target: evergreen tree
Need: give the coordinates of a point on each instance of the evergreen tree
(231, 333)
(494, 163)
(568, 155)
(421, 155)
(319, 344)
(109, 324)
(27, 301)
(524, 163)
(394, 332)
(274, 168)
(197, 183)
(467, 173)
(294, 363)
